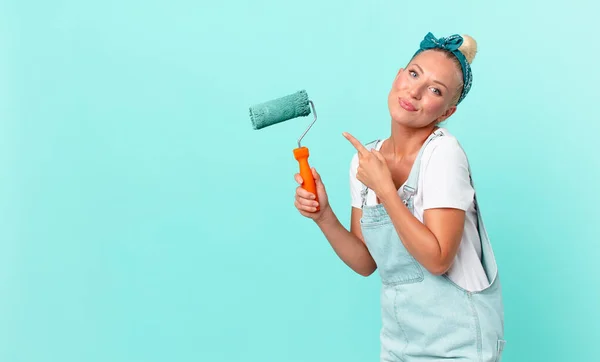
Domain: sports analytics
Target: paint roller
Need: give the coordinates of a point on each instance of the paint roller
(282, 109)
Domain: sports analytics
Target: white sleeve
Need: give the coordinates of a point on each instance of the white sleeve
(355, 185)
(446, 182)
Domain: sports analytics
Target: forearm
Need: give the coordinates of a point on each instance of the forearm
(420, 242)
(346, 245)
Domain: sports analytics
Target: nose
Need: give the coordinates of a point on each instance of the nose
(415, 91)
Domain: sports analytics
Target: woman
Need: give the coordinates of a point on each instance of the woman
(416, 220)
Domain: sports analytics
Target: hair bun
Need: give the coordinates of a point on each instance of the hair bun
(468, 48)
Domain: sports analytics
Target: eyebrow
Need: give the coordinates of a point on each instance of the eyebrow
(435, 81)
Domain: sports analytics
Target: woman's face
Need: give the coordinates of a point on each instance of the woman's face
(424, 91)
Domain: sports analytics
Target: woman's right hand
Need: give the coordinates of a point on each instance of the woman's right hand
(305, 201)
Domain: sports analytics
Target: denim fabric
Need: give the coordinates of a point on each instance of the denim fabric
(427, 317)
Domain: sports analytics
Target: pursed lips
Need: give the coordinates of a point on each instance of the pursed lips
(406, 105)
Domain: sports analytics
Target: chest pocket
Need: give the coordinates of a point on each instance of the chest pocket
(394, 263)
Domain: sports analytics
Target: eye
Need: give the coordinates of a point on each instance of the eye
(436, 91)
(412, 73)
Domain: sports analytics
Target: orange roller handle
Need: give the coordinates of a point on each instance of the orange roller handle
(301, 155)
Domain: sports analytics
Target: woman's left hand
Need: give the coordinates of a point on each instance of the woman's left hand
(372, 171)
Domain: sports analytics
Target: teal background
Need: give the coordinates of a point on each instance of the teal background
(142, 219)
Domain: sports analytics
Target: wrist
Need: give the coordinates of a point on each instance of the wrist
(327, 217)
(388, 195)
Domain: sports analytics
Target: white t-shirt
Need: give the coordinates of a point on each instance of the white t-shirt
(443, 183)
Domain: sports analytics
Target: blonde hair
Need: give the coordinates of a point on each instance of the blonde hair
(469, 49)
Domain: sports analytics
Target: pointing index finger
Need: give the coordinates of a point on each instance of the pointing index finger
(356, 143)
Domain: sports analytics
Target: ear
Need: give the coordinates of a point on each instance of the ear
(398, 75)
(450, 111)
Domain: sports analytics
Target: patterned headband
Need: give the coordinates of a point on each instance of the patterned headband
(451, 44)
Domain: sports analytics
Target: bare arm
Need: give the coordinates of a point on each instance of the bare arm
(348, 245)
(433, 243)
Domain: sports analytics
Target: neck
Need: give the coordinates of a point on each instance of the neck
(406, 141)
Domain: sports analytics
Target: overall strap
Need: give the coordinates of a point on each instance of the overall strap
(489, 262)
(410, 187)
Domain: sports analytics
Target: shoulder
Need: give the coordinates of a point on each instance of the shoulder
(445, 149)
(354, 163)
(446, 179)
(446, 142)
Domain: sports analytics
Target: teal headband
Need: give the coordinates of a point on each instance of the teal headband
(451, 44)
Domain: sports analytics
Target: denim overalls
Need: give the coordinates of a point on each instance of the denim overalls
(427, 317)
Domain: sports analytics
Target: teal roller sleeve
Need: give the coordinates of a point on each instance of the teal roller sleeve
(280, 109)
